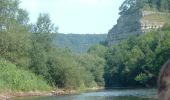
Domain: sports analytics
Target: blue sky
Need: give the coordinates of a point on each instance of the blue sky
(76, 16)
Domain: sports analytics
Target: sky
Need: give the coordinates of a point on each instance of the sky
(76, 16)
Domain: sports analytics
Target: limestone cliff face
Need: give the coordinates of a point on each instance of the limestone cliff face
(135, 23)
(127, 25)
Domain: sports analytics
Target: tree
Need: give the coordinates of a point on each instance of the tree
(44, 25)
(14, 38)
(126, 5)
(8, 11)
(94, 65)
(163, 5)
(41, 44)
(22, 17)
(98, 50)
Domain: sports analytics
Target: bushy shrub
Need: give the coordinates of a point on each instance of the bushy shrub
(15, 79)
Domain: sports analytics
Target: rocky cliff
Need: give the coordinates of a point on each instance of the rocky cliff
(128, 24)
(136, 22)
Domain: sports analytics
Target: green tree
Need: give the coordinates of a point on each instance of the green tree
(126, 5)
(41, 44)
(44, 24)
(98, 50)
(95, 66)
(22, 17)
(14, 38)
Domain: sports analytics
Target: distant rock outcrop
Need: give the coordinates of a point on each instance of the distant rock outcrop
(134, 23)
(150, 21)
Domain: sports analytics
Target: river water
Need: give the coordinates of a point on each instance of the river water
(111, 94)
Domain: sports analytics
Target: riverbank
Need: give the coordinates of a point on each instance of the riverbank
(10, 95)
(115, 94)
(58, 92)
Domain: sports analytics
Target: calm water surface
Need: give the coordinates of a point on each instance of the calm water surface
(115, 94)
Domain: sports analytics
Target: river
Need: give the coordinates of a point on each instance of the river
(110, 94)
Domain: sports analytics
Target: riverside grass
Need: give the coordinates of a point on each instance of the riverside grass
(14, 79)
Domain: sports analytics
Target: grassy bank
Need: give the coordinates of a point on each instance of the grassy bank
(14, 79)
(15, 82)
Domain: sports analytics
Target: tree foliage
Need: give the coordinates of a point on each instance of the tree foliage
(31, 50)
(137, 60)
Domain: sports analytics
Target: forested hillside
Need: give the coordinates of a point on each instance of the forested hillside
(78, 43)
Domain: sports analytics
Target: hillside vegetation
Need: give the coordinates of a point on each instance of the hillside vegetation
(15, 79)
(137, 61)
(30, 61)
(78, 43)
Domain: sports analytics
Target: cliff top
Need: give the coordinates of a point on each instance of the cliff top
(155, 16)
